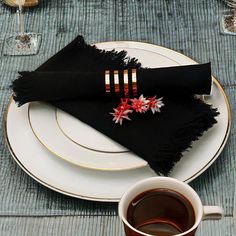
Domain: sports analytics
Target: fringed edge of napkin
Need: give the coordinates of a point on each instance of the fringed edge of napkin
(183, 140)
(111, 59)
(24, 85)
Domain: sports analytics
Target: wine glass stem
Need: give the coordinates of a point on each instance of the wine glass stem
(21, 20)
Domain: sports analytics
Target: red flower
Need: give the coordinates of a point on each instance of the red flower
(140, 105)
(155, 104)
(122, 111)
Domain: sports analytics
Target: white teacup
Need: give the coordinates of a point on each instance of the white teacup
(201, 212)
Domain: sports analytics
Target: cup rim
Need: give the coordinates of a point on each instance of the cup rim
(197, 220)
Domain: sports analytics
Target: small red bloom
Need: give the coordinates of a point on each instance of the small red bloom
(155, 104)
(140, 105)
(122, 111)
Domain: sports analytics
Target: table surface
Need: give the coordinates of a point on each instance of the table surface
(191, 27)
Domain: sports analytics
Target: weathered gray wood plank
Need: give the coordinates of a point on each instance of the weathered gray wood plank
(92, 226)
(191, 27)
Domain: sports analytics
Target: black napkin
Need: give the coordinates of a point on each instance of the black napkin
(187, 80)
(68, 81)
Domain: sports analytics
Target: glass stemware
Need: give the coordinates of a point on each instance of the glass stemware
(23, 43)
(28, 3)
(228, 21)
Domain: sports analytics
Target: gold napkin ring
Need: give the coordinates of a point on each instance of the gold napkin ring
(134, 82)
(126, 83)
(126, 77)
(116, 82)
(107, 81)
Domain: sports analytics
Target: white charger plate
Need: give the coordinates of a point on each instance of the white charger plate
(98, 185)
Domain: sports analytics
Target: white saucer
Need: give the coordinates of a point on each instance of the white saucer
(97, 185)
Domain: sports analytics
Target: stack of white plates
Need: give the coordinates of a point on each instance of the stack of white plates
(70, 157)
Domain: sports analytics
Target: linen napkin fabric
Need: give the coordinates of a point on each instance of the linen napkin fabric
(167, 81)
(73, 80)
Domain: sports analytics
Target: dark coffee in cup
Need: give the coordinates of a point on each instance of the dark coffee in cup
(161, 212)
(163, 206)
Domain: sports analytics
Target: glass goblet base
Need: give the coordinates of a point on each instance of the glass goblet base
(22, 44)
(228, 24)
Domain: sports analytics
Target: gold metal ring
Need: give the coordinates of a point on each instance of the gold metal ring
(116, 82)
(134, 82)
(126, 83)
(107, 81)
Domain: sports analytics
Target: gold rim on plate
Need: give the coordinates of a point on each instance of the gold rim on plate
(76, 142)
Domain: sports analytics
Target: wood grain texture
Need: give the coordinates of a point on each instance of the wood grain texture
(92, 226)
(190, 27)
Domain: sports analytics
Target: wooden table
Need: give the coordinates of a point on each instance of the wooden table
(191, 27)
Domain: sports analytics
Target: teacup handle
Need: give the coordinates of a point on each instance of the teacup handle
(212, 212)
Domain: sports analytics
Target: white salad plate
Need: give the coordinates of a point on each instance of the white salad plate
(37, 155)
(78, 143)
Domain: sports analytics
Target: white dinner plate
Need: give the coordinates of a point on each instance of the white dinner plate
(69, 179)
